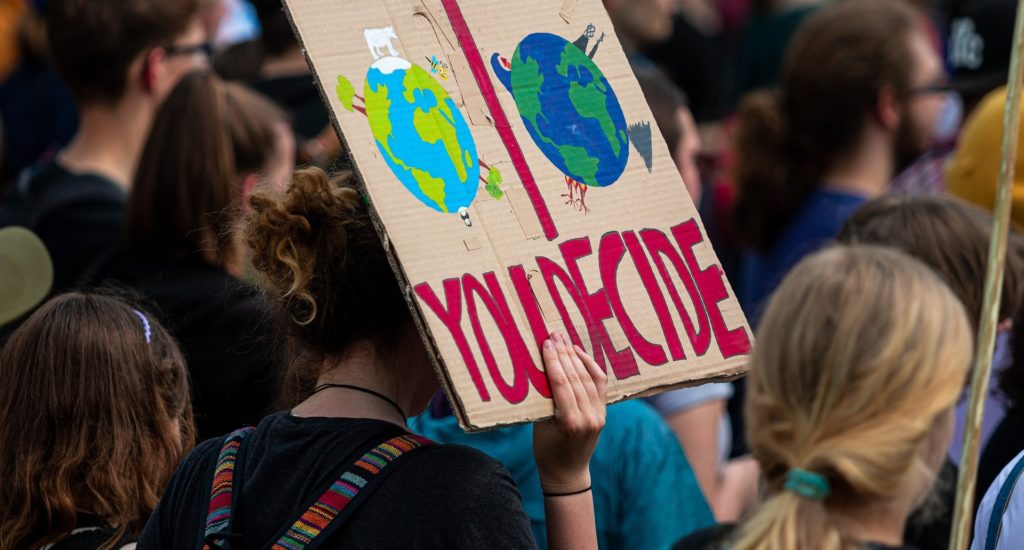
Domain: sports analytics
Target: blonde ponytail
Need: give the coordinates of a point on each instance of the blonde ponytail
(859, 352)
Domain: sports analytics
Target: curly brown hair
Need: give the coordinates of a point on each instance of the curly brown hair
(320, 258)
(94, 417)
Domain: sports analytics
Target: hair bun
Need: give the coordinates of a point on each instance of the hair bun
(320, 257)
(290, 233)
(762, 174)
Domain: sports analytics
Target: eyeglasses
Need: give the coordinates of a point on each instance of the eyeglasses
(940, 86)
(204, 49)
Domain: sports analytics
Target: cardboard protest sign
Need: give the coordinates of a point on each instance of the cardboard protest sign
(521, 187)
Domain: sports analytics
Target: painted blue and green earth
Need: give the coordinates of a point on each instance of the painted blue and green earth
(419, 130)
(421, 135)
(569, 109)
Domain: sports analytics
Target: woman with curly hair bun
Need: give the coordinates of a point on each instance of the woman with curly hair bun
(358, 370)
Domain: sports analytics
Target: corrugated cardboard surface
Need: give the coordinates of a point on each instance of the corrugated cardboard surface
(430, 247)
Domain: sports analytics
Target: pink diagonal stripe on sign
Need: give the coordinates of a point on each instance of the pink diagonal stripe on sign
(476, 63)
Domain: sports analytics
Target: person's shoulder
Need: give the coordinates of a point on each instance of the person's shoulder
(459, 460)
(55, 189)
(464, 470)
(462, 499)
(196, 468)
(46, 171)
(1001, 512)
(204, 453)
(462, 478)
(678, 400)
(825, 210)
(819, 220)
(53, 174)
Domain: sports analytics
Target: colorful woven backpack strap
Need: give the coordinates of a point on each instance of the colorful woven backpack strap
(326, 514)
(218, 518)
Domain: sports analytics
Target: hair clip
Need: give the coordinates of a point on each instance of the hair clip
(145, 326)
(807, 484)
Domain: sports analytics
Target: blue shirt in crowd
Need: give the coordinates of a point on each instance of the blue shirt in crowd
(815, 225)
(645, 494)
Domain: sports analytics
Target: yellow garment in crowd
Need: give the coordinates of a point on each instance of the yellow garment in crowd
(11, 12)
(974, 168)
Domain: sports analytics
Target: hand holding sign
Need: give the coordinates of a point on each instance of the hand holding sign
(563, 446)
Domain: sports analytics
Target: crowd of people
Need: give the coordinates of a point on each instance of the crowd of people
(203, 343)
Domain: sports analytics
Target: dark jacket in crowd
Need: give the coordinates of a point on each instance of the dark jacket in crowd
(229, 339)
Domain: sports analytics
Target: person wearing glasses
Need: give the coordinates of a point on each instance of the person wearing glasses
(856, 103)
(858, 100)
(119, 60)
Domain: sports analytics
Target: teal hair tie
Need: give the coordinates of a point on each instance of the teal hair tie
(807, 484)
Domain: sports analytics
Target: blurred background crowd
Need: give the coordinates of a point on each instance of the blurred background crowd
(138, 135)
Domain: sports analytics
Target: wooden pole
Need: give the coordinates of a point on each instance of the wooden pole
(985, 345)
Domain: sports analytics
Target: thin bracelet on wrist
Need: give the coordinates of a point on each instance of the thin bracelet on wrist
(580, 492)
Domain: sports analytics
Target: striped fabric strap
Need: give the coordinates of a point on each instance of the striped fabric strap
(326, 509)
(219, 515)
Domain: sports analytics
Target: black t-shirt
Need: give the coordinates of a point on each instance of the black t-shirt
(445, 496)
(230, 341)
(78, 216)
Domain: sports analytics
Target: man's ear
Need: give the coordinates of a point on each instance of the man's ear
(887, 110)
(151, 71)
(249, 183)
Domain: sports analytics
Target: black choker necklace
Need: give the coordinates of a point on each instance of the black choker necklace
(390, 401)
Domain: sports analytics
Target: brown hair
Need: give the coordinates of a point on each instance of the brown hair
(87, 409)
(94, 42)
(838, 63)
(861, 351)
(948, 235)
(665, 100)
(187, 196)
(319, 256)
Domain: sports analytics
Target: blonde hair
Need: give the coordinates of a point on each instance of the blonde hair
(859, 352)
